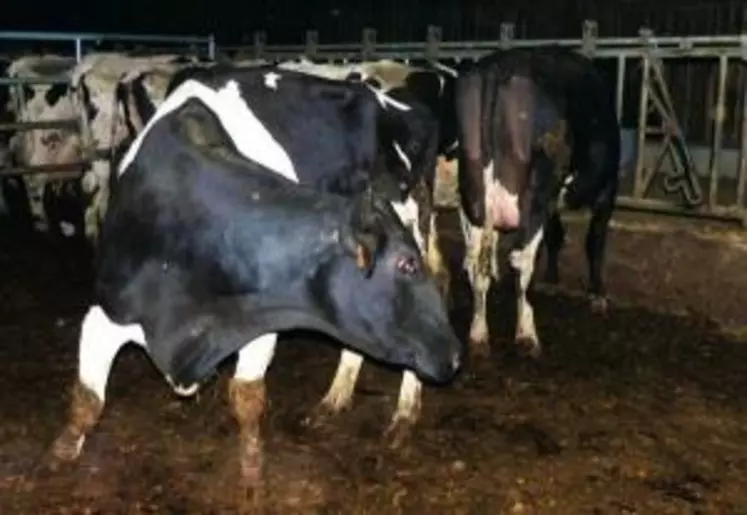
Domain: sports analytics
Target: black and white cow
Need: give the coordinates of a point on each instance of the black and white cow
(538, 132)
(210, 247)
(405, 134)
(41, 193)
(426, 88)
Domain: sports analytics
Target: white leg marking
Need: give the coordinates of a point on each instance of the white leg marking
(255, 357)
(409, 402)
(246, 130)
(100, 341)
(523, 261)
(340, 393)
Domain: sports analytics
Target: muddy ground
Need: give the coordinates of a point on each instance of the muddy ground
(643, 410)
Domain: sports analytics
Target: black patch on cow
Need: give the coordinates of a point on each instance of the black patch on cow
(143, 103)
(91, 110)
(55, 93)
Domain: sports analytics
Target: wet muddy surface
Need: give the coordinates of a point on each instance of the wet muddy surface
(642, 410)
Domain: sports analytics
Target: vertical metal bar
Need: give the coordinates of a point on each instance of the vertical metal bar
(718, 131)
(642, 118)
(211, 47)
(78, 49)
(742, 172)
(620, 90)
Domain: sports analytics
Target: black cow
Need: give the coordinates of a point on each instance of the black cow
(357, 136)
(204, 249)
(538, 132)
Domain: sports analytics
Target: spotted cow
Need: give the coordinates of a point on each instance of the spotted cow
(538, 132)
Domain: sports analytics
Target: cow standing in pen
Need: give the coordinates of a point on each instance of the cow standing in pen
(428, 89)
(210, 247)
(538, 132)
(387, 142)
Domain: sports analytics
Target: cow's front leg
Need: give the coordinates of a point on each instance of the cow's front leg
(339, 397)
(523, 261)
(100, 341)
(436, 262)
(247, 396)
(408, 409)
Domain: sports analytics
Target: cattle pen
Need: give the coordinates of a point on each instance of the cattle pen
(638, 411)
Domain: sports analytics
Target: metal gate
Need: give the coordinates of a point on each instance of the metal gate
(77, 45)
(684, 179)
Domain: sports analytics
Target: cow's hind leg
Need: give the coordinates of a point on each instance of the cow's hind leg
(247, 396)
(554, 240)
(100, 341)
(480, 248)
(523, 260)
(596, 242)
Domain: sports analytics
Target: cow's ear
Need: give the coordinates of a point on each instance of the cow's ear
(365, 234)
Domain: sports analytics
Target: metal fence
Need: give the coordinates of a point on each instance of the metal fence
(77, 45)
(699, 139)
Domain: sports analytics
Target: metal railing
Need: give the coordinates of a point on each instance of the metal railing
(79, 42)
(650, 51)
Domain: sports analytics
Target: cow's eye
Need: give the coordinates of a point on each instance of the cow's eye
(408, 265)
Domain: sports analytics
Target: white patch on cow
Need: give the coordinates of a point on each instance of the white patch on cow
(247, 132)
(67, 229)
(445, 69)
(255, 357)
(271, 80)
(340, 393)
(182, 391)
(564, 190)
(408, 213)
(408, 402)
(100, 341)
(385, 100)
(523, 261)
(403, 157)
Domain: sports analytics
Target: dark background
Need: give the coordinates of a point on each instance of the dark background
(396, 20)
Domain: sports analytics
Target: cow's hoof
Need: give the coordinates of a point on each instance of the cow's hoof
(529, 346)
(479, 348)
(599, 304)
(67, 447)
(399, 432)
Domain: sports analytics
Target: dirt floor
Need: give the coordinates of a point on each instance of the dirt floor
(643, 410)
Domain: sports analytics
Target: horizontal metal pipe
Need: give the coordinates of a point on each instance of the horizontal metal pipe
(52, 169)
(63, 123)
(93, 36)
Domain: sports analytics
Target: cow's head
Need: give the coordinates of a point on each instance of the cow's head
(407, 140)
(382, 292)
